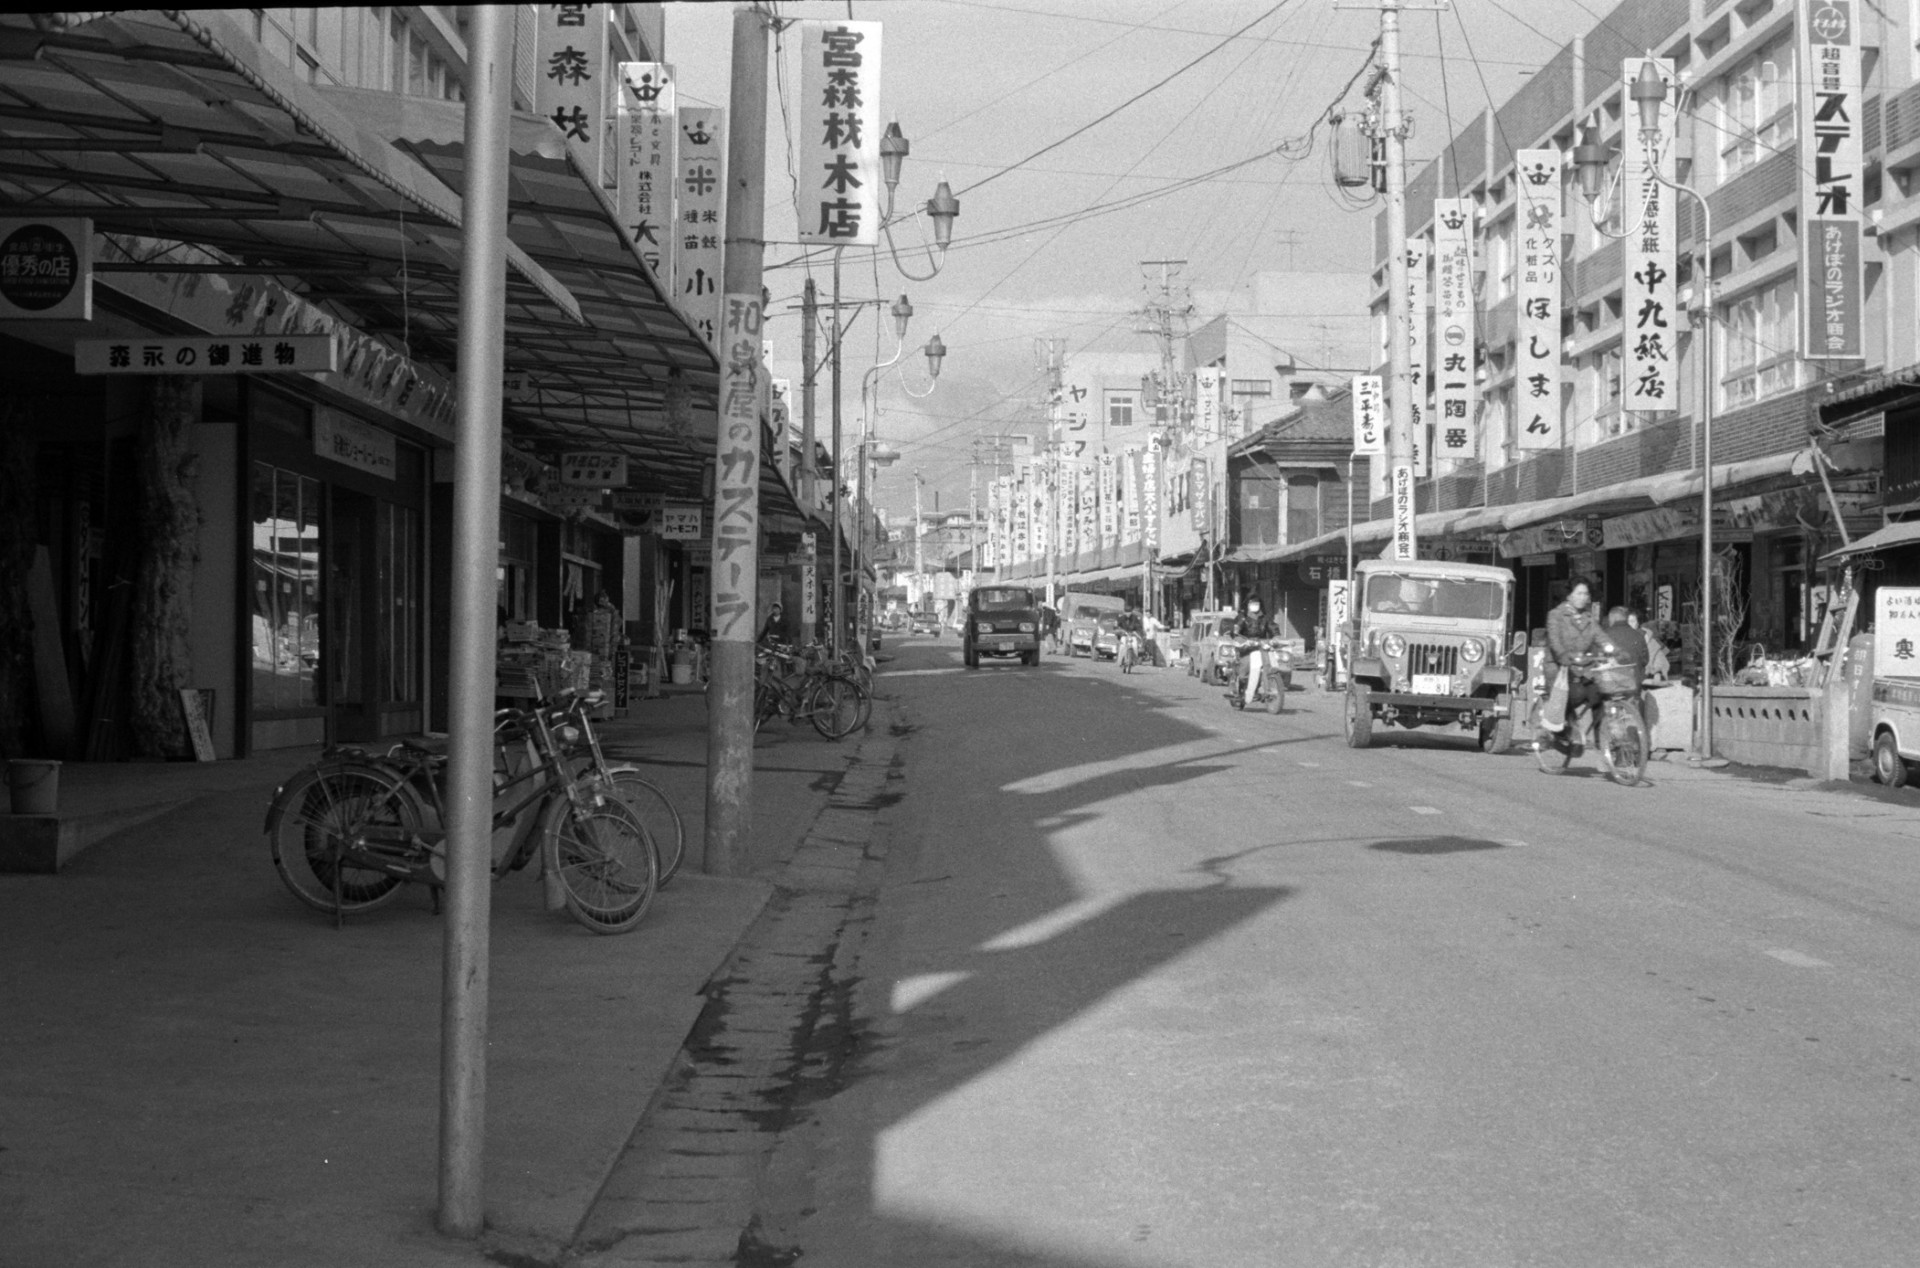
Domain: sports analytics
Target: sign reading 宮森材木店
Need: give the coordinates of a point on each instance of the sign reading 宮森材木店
(1831, 109)
(838, 149)
(46, 269)
(207, 354)
(570, 53)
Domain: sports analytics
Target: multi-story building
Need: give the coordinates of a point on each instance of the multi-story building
(277, 192)
(1612, 502)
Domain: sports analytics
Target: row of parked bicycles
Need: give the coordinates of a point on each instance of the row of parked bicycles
(354, 829)
(810, 684)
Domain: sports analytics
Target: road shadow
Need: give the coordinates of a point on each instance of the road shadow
(1434, 845)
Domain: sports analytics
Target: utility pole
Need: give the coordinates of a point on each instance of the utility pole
(466, 963)
(918, 578)
(973, 517)
(1050, 470)
(839, 579)
(736, 483)
(1392, 126)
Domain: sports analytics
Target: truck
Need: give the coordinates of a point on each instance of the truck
(1080, 614)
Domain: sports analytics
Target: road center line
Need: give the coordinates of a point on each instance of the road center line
(1359, 783)
(1424, 810)
(1798, 959)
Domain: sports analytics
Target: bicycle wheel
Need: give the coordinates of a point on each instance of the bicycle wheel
(605, 862)
(330, 828)
(837, 707)
(655, 811)
(1553, 751)
(1624, 746)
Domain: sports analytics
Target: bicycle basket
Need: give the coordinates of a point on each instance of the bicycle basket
(1617, 680)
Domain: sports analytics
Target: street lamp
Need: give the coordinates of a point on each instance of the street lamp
(870, 449)
(943, 208)
(1591, 159)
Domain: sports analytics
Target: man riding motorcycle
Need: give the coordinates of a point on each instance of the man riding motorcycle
(1253, 628)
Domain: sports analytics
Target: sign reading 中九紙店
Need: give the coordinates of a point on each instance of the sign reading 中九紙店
(347, 440)
(46, 269)
(838, 149)
(1536, 376)
(1831, 109)
(1651, 324)
(1896, 632)
(596, 469)
(206, 354)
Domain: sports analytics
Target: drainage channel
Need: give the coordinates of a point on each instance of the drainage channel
(777, 1035)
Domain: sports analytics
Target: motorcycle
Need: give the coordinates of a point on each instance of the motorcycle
(1129, 654)
(1276, 675)
(1614, 725)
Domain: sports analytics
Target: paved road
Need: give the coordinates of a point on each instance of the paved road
(1153, 982)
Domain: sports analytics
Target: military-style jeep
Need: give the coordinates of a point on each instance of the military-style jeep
(1428, 646)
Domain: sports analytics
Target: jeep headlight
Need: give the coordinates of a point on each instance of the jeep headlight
(1471, 650)
(1394, 646)
(1026, 627)
(986, 627)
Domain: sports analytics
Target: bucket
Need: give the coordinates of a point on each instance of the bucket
(682, 673)
(35, 783)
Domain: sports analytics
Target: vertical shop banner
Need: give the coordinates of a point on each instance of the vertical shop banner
(1536, 377)
(1369, 416)
(1130, 495)
(1402, 492)
(646, 170)
(736, 478)
(1418, 310)
(996, 522)
(1060, 509)
(1337, 612)
(1455, 419)
(1150, 496)
(1207, 420)
(1043, 518)
(1197, 491)
(809, 584)
(1109, 500)
(1831, 278)
(1088, 480)
(838, 159)
(1023, 484)
(570, 49)
(1650, 321)
(699, 203)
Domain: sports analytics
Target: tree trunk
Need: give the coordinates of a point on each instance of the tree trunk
(16, 560)
(168, 516)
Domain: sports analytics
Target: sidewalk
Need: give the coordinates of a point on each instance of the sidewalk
(195, 1069)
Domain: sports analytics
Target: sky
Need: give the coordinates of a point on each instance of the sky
(979, 86)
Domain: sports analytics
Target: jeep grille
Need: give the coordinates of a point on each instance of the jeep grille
(1433, 658)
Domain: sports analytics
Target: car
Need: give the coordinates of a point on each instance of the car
(924, 623)
(1080, 615)
(1001, 621)
(1207, 633)
(1106, 638)
(1428, 646)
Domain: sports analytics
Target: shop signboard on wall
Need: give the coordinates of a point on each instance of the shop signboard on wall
(597, 470)
(207, 354)
(570, 499)
(1649, 312)
(1832, 203)
(1542, 539)
(1661, 524)
(46, 269)
(809, 584)
(680, 521)
(1896, 632)
(638, 500)
(347, 440)
(837, 151)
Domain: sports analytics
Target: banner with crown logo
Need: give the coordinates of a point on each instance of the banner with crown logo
(1831, 277)
(645, 172)
(1455, 418)
(1651, 324)
(699, 220)
(1536, 377)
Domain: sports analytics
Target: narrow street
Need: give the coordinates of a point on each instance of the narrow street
(1152, 981)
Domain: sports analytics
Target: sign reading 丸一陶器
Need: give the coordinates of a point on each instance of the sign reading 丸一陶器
(1452, 371)
(570, 52)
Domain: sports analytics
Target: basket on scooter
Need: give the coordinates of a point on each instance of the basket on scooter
(1615, 679)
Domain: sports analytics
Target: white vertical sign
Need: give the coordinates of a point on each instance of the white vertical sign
(1455, 418)
(1536, 379)
(736, 480)
(1831, 278)
(1369, 416)
(1022, 508)
(1418, 308)
(1402, 492)
(838, 149)
(1088, 483)
(572, 91)
(809, 585)
(646, 167)
(1206, 403)
(1130, 495)
(1648, 312)
(1109, 501)
(700, 211)
(1150, 496)
(1337, 611)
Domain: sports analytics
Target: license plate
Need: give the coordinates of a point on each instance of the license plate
(1005, 645)
(1432, 685)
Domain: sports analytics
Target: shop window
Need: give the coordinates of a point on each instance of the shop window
(1259, 511)
(1122, 408)
(1756, 353)
(1303, 507)
(397, 564)
(286, 589)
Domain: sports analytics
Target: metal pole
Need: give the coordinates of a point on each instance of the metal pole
(476, 531)
(736, 485)
(1399, 360)
(1703, 272)
(809, 473)
(839, 577)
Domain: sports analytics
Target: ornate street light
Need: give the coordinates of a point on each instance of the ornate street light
(943, 208)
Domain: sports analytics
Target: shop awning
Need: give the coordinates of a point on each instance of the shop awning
(1903, 534)
(1875, 395)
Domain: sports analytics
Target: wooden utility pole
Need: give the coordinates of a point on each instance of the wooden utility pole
(736, 483)
(809, 486)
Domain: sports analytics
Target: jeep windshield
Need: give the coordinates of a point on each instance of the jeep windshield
(1462, 598)
(1089, 613)
(1002, 600)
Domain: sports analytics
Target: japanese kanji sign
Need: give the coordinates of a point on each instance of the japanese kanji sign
(1206, 403)
(647, 168)
(1417, 313)
(1896, 632)
(1404, 545)
(1130, 495)
(1831, 280)
(46, 269)
(1455, 417)
(809, 585)
(699, 206)
(595, 470)
(1651, 325)
(1536, 377)
(1109, 500)
(1150, 495)
(1023, 483)
(207, 354)
(1087, 495)
(572, 89)
(1369, 416)
(838, 149)
(736, 484)
(348, 441)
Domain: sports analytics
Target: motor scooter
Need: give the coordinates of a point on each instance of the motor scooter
(1276, 675)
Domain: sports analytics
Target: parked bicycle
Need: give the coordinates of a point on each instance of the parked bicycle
(350, 831)
(802, 689)
(1615, 727)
